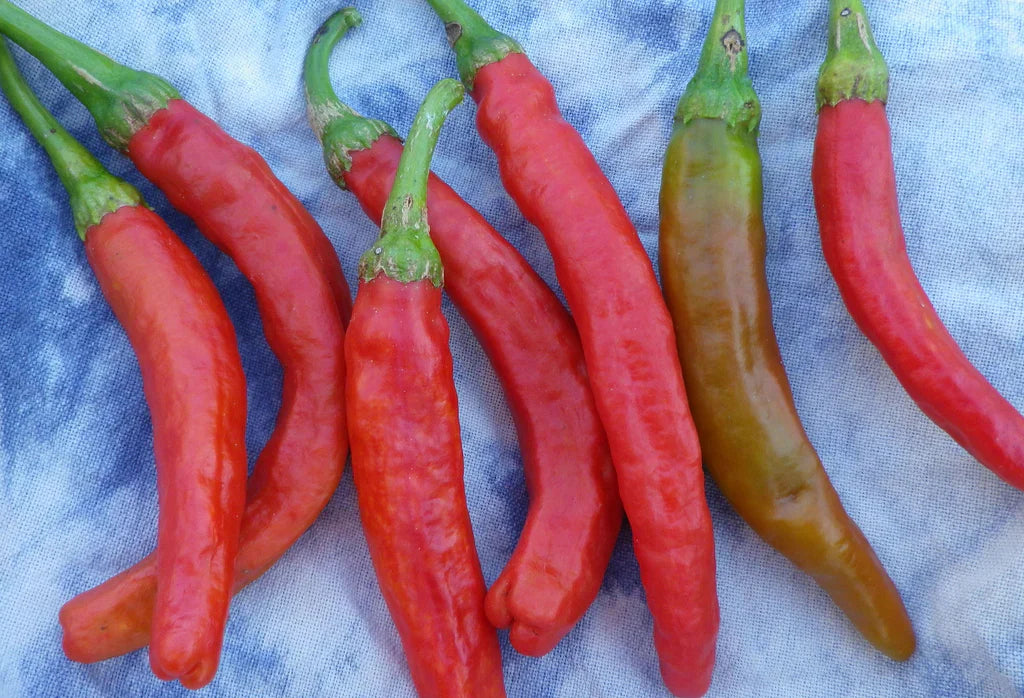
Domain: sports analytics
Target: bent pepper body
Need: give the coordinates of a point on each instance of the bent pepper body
(193, 381)
(862, 239)
(237, 202)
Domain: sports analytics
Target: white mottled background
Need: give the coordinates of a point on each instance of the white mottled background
(77, 497)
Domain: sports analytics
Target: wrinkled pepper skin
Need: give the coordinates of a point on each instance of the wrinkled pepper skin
(195, 388)
(630, 353)
(407, 466)
(574, 515)
(862, 237)
(712, 255)
(406, 443)
(626, 333)
(237, 202)
(864, 246)
(229, 191)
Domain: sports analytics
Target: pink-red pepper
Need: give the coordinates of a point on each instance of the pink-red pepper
(862, 238)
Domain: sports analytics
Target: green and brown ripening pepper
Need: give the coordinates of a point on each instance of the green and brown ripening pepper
(712, 256)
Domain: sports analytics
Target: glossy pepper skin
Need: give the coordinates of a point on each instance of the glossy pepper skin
(193, 381)
(574, 515)
(236, 201)
(862, 238)
(712, 254)
(406, 445)
(627, 337)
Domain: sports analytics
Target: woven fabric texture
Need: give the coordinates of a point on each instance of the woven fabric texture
(77, 484)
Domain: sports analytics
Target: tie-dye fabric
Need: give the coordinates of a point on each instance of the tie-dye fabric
(77, 494)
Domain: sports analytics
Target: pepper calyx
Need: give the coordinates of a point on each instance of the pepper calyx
(854, 67)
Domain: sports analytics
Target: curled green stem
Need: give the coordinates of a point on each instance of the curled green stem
(340, 129)
(404, 250)
(93, 191)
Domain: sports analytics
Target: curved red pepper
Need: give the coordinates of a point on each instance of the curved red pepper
(631, 357)
(237, 202)
(627, 335)
(862, 238)
(196, 393)
(574, 515)
(192, 377)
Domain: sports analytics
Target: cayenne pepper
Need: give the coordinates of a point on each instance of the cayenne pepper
(862, 238)
(235, 200)
(191, 375)
(712, 254)
(574, 517)
(406, 446)
(626, 331)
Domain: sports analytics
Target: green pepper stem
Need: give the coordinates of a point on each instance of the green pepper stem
(721, 87)
(404, 250)
(853, 68)
(94, 192)
(476, 43)
(120, 99)
(339, 128)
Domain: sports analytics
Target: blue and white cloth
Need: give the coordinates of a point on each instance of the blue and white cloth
(77, 493)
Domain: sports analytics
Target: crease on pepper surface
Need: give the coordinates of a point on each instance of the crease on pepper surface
(712, 257)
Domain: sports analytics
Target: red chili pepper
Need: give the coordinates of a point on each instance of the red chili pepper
(556, 570)
(192, 377)
(861, 234)
(626, 331)
(236, 201)
(406, 447)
